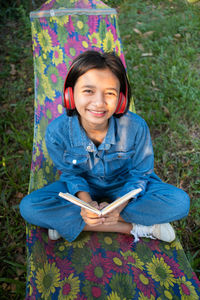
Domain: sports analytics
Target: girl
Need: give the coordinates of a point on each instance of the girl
(103, 151)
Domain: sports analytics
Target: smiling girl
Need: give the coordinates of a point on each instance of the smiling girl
(103, 152)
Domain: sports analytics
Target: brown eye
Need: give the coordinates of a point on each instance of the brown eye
(111, 94)
(88, 91)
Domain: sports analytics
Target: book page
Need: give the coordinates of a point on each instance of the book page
(79, 202)
(120, 201)
(106, 209)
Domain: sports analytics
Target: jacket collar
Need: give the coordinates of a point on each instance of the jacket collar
(79, 138)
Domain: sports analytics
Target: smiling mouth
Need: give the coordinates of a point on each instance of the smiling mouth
(97, 113)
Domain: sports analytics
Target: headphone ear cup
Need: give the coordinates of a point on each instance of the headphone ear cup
(69, 98)
(122, 104)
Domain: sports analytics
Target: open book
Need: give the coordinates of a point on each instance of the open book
(106, 209)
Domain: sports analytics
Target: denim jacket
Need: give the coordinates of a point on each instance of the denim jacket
(123, 161)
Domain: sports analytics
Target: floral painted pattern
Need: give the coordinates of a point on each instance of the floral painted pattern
(63, 270)
(60, 32)
(103, 266)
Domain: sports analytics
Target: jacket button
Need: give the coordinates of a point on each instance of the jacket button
(74, 161)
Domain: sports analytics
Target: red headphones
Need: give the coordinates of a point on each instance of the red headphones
(68, 98)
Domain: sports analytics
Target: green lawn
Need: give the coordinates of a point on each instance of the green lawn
(161, 41)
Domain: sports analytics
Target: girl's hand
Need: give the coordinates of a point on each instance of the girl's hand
(91, 218)
(112, 217)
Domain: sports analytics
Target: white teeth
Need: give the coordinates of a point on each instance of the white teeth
(97, 112)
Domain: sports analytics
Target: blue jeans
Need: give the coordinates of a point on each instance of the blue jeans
(161, 203)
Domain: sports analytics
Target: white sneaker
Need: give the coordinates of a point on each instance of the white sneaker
(53, 234)
(163, 232)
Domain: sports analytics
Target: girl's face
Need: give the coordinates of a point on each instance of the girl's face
(96, 96)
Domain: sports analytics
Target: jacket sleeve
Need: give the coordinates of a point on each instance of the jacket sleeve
(142, 162)
(70, 173)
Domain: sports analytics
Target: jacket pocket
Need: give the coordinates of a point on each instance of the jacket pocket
(79, 161)
(118, 162)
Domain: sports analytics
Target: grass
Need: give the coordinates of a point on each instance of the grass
(16, 127)
(161, 42)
